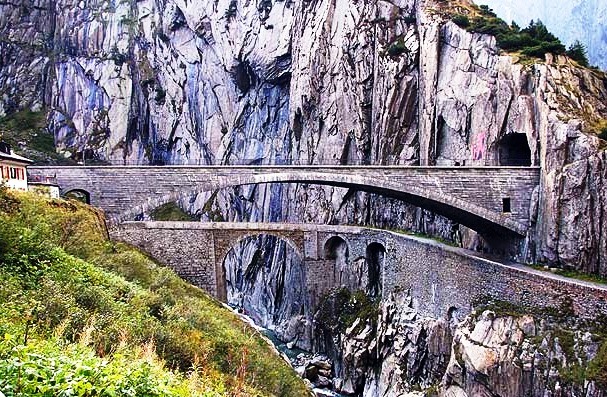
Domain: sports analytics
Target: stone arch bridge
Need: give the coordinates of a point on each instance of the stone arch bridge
(490, 200)
(440, 279)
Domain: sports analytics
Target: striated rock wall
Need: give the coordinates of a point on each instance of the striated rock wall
(401, 353)
(228, 81)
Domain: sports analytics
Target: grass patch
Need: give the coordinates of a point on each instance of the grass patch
(79, 312)
(171, 212)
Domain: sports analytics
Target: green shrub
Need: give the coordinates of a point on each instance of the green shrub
(397, 48)
(577, 52)
(170, 212)
(461, 20)
(340, 308)
(534, 41)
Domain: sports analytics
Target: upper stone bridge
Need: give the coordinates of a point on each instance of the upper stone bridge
(492, 200)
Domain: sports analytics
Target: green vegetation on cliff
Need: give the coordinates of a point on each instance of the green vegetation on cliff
(533, 41)
(171, 212)
(26, 132)
(340, 308)
(82, 316)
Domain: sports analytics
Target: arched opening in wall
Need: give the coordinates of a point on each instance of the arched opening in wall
(78, 194)
(514, 150)
(336, 247)
(265, 279)
(375, 257)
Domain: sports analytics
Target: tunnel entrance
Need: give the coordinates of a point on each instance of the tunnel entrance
(514, 150)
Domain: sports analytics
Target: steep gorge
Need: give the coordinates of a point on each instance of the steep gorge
(330, 82)
(310, 82)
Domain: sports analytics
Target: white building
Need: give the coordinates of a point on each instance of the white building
(13, 168)
(44, 185)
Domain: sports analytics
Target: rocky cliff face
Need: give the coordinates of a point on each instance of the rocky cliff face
(340, 82)
(490, 353)
(321, 82)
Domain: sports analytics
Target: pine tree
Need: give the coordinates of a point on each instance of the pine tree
(577, 52)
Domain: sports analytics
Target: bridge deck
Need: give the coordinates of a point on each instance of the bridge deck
(438, 277)
(261, 227)
(473, 196)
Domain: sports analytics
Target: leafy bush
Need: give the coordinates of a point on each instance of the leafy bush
(461, 20)
(49, 368)
(64, 284)
(170, 212)
(397, 48)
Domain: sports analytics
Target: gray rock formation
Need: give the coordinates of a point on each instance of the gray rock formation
(265, 279)
(323, 82)
(486, 354)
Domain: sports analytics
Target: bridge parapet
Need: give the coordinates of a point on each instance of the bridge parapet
(440, 278)
(487, 199)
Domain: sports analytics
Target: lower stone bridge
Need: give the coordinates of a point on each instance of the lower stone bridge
(490, 200)
(441, 279)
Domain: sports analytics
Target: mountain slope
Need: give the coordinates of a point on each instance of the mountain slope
(81, 315)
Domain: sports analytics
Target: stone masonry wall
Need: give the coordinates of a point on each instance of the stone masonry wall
(468, 195)
(190, 255)
(442, 280)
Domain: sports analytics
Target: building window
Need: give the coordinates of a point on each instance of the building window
(13, 173)
(506, 204)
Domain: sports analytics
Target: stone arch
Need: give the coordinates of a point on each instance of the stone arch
(334, 246)
(232, 242)
(513, 150)
(77, 194)
(465, 212)
(375, 255)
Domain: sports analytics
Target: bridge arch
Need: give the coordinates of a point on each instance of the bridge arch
(465, 212)
(257, 268)
(77, 194)
(336, 246)
(231, 242)
(375, 255)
